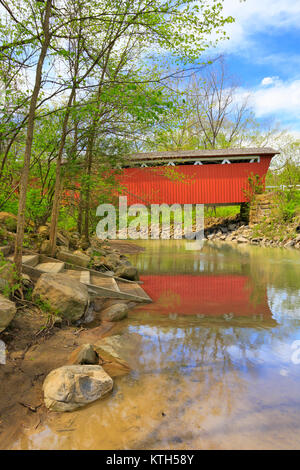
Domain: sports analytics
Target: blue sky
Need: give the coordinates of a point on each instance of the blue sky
(263, 53)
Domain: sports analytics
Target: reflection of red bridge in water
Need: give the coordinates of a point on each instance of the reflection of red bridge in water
(209, 295)
(193, 176)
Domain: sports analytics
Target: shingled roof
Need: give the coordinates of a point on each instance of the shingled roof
(186, 154)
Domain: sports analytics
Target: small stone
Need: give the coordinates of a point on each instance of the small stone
(242, 240)
(112, 362)
(127, 271)
(84, 354)
(114, 313)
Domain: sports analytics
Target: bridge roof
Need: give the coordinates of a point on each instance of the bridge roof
(192, 154)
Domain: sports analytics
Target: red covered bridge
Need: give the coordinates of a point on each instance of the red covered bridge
(213, 177)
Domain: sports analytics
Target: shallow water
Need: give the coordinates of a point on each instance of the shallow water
(214, 363)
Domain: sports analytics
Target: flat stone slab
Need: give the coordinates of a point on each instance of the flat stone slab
(50, 267)
(72, 258)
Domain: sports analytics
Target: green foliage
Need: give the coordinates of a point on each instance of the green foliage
(45, 306)
(11, 282)
(288, 204)
(221, 211)
(110, 53)
(255, 186)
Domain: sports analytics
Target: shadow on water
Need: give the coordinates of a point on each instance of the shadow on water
(212, 364)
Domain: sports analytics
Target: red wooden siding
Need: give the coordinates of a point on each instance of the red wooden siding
(202, 184)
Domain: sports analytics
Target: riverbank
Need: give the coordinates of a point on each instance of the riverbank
(37, 341)
(235, 230)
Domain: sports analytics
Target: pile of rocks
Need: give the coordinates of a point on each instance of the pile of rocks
(242, 233)
(95, 254)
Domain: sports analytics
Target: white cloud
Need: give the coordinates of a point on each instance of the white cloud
(280, 97)
(269, 81)
(252, 16)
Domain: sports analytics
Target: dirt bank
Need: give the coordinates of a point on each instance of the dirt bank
(32, 351)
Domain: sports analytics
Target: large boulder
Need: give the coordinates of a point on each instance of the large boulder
(66, 296)
(9, 221)
(72, 258)
(116, 312)
(70, 387)
(7, 312)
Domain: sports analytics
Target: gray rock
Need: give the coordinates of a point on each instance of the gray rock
(127, 271)
(67, 297)
(116, 312)
(242, 240)
(7, 312)
(71, 387)
(289, 244)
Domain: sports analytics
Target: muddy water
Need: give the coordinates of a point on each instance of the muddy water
(213, 359)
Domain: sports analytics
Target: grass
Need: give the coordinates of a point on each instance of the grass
(221, 211)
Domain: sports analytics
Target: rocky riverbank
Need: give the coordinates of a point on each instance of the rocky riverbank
(56, 351)
(235, 230)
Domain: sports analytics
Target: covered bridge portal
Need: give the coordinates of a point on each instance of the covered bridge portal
(212, 177)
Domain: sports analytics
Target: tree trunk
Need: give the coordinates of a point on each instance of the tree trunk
(57, 190)
(29, 139)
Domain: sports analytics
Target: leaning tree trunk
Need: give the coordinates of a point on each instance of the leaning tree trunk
(29, 139)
